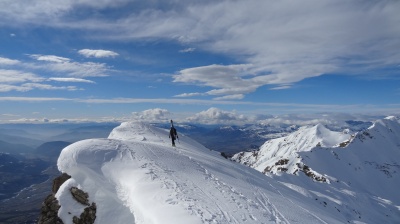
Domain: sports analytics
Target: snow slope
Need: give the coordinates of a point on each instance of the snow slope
(358, 178)
(135, 176)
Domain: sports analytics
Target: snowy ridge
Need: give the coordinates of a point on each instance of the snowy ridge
(363, 172)
(135, 176)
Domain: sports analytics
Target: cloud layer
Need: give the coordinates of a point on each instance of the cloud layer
(278, 43)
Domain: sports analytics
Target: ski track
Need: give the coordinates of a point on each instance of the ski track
(265, 202)
(228, 192)
(312, 214)
(180, 196)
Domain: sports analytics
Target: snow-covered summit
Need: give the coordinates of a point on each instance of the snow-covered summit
(135, 176)
(281, 154)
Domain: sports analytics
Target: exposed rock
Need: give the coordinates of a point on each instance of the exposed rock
(80, 196)
(50, 206)
(48, 214)
(88, 216)
(58, 181)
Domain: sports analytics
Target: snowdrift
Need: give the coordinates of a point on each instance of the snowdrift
(135, 176)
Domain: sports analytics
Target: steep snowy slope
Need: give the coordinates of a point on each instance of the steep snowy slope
(370, 163)
(282, 154)
(135, 176)
(358, 178)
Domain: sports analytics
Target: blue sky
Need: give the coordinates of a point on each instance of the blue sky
(122, 59)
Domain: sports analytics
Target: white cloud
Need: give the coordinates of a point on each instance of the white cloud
(8, 88)
(281, 87)
(230, 97)
(216, 116)
(7, 61)
(229, 80)
(187, 50)
(59, 79)
(152, 115)
(31, 86)
(71, 68)
(50, 58)
(15, 76)
(33, 99)
(284, 41)
(188, 94)
(18, 80)
(97, 53)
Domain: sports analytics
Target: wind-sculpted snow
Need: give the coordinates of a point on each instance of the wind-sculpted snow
(135, 176)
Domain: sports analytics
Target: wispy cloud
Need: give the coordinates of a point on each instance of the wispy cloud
(22, 76)
(31, 86)
(188, 94)
(187, 50)
(230, 97)
(69, 67)
(97, 53)
(283, 41)
(229, 80)
(281, 87)
(15, 76)
(60, 79)
(273, 42)
(7, 61)
(8, 88)
(50, 58)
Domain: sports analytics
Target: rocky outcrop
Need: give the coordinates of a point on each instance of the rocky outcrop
(88, 216)
(50, 206)
(49, 211)
(58, 181)
(80, 196)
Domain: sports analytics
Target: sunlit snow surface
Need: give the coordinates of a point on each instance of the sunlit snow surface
(136, 176)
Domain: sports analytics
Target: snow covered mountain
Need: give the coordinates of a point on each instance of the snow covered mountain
(358, 176)
(135, 176)
(282, 154)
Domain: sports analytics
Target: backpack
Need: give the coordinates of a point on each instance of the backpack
(174, 132)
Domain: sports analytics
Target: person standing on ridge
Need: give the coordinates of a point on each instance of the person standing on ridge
(172, 133)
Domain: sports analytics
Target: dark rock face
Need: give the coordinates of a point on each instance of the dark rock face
(50, 206)
(88, 215)
(49, 211)
(58, 181)
(80, 196)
